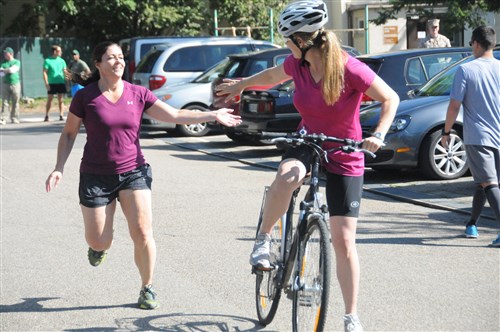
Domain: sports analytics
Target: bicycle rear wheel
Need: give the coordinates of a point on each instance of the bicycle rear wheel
(267, 292)
(310, 300)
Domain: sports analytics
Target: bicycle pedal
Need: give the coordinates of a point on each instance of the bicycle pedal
(260, 269)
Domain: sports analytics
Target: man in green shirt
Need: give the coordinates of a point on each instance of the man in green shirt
(54, 70)
(11, 87)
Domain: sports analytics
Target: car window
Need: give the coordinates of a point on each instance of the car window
(420, 69)
(415, 72)
(147, 63)
(435, 63)
(199, 58)
(256, 67)
(280, 59)
(212, 73)
(442, 83)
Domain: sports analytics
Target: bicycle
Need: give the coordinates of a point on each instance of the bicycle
(301, 258)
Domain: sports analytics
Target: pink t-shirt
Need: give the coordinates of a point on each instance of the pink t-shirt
(112, 128)
(340, 120)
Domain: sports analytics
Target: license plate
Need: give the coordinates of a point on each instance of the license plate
(252, 108)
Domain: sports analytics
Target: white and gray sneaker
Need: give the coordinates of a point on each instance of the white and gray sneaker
(352, 323)
(260, 254)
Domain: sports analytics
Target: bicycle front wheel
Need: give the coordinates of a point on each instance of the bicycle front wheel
(310, 299)
(267, 292)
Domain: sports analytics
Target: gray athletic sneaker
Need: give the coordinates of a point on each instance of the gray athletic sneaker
(352, 323)
(260, 254)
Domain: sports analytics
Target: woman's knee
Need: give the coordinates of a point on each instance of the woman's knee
(290, 174)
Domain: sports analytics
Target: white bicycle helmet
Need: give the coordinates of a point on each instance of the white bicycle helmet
(302, 16)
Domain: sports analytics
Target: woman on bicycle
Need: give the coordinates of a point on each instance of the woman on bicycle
(329, 85)
(113, 166)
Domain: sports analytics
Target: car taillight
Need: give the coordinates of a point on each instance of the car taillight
(156, 81)
(265, 107)
(366, 100)
(131, 68)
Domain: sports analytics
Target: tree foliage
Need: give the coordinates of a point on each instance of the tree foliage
(97, 20)
(256, 13)
(459, 15)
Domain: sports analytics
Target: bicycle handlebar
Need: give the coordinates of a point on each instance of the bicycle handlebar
(348, 145)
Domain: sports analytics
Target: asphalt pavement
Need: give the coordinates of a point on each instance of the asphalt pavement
(418, 271)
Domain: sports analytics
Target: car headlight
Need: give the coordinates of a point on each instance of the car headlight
(400, 123)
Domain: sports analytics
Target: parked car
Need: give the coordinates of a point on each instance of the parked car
(412, 142)
(397, 68)
(194, 95)
(177, 62)
(406, 70)
(136, 48)
(241, 66)
(414, 139)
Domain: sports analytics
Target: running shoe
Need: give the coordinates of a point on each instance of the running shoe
(96, 257)
(46, 119)
(496, 243)
(61, 118)
(147, 298)
(471, 231)
(352, 323)
(260, 254)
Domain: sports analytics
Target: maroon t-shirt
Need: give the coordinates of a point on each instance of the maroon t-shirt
(112, 128)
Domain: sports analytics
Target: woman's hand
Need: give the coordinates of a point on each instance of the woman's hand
(372, 144)
(229, 87)
(53, 180)
(224, 117)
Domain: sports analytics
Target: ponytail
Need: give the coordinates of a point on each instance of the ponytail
(334, 59)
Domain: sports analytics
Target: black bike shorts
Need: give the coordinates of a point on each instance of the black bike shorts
(343, 193)
(100, 190)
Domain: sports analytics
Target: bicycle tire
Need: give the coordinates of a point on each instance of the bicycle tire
(267, 295)
(310, 300)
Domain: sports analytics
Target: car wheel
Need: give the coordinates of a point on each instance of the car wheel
(443, 164)
(197, 129)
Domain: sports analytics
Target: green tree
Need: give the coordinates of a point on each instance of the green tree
(97, 20)
(242, 13)
(460, 13)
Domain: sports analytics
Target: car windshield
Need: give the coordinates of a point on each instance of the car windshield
(440, 85)
(147, 63)
(212, 73)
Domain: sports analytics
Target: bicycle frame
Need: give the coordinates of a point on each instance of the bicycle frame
(302, 266)
(310, 202)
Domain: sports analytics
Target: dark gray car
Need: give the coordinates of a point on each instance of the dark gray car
(414, 140)
(408, 69)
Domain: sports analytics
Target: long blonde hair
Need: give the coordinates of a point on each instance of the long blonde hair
(333, 58)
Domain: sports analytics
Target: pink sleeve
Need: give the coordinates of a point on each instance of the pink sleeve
(358, 75)
(290, 65)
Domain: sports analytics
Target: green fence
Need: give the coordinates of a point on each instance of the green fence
(32, 51)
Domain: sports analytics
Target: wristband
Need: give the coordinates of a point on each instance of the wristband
(444, 133)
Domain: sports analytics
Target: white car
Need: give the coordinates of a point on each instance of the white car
(194, 95)
(182, 61)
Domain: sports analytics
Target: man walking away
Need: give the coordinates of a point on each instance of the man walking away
(477, 87)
